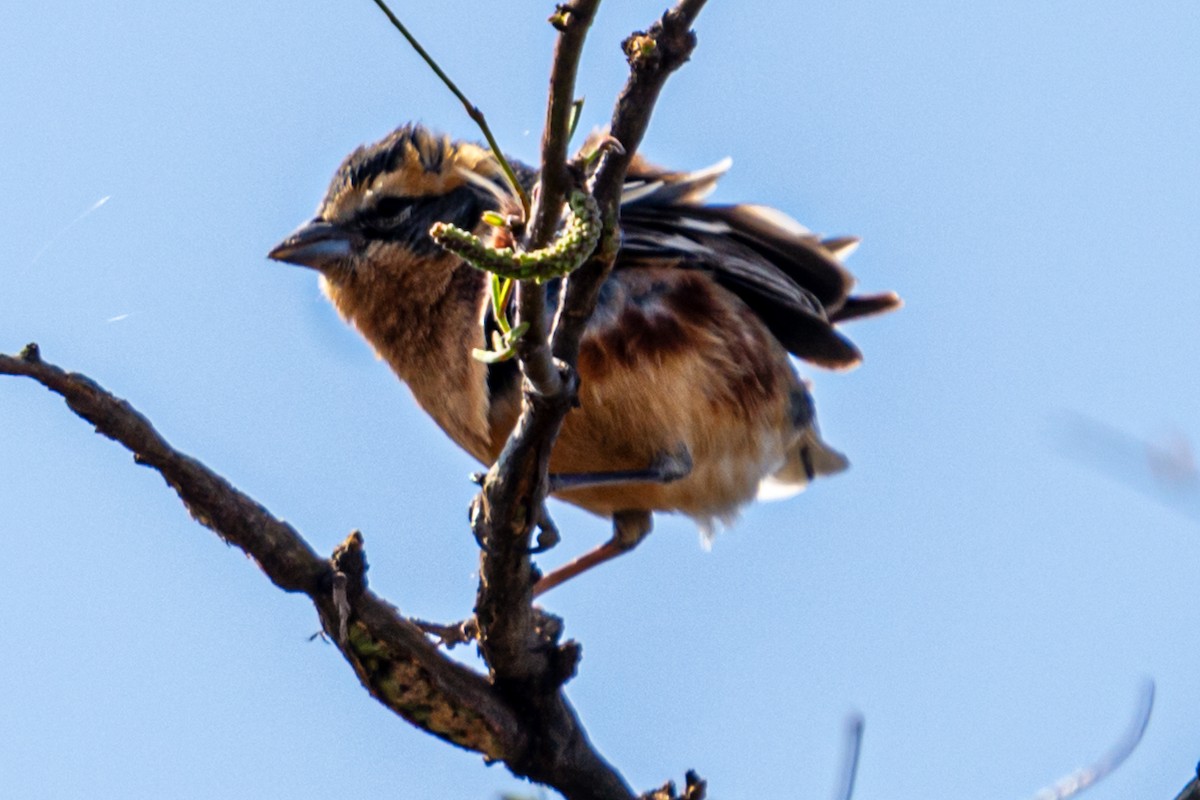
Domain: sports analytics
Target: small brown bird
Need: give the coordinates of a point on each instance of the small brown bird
(685, 358)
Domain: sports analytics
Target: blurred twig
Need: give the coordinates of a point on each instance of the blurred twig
(851, 749)
(1166, 473)
(1085, 777)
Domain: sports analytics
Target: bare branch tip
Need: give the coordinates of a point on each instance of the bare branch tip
(695, 788)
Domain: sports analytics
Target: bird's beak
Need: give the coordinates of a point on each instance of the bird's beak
(316, 244)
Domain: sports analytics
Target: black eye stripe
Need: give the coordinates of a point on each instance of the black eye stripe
(406, 220)
(388, 207)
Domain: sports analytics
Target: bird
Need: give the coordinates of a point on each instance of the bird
(688, 395)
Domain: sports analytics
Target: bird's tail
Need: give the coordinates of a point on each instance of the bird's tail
(808, 458)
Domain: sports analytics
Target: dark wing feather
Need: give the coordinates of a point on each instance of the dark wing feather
(858, 306)
(775, 265)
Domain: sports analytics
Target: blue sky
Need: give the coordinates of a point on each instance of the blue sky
(1026, 175)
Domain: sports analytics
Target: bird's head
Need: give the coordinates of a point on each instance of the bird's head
(384, 198)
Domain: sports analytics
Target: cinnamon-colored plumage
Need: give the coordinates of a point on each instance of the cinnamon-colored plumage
(687, 350)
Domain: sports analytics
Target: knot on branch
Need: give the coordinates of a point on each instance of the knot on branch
(31, 353)
(641, 50)
(547, 627)
(564, 662)
(568, 391)
(560, 20)
(666, 46)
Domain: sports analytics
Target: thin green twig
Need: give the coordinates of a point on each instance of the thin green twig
(472, 110)
(501, 289)
(576, 114)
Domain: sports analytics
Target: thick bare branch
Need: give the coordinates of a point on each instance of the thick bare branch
(513, 495)
(391, 655)
(507, 509)
(527, 662)
(286, 558)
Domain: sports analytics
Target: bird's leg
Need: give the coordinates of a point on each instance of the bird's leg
(665, 468)
(629, 528)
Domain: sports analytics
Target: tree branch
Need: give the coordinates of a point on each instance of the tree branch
(653, 55)
(521, 646)
(553, 179)
(554, 182)
(1085, 777)
(507, 509)
(390, 655)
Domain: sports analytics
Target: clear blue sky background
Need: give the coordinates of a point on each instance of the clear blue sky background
(1025, 174)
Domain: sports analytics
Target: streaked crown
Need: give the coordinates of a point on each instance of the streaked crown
(410, 163)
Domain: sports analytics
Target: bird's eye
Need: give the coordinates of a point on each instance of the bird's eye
(392, 207)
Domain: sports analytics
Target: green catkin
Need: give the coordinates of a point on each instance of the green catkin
(561, 257)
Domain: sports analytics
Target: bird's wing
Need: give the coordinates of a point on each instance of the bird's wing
(788, 275)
